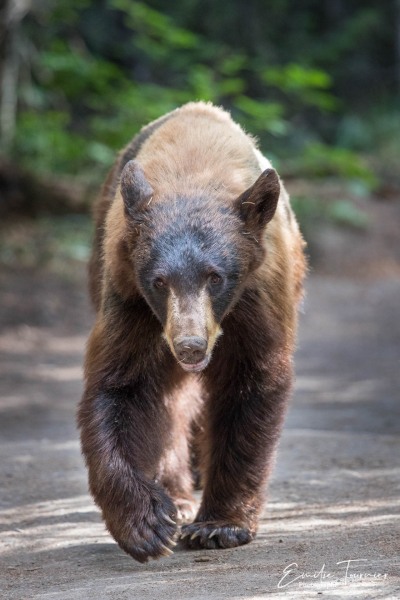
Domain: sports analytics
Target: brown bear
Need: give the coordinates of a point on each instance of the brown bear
(196, 274)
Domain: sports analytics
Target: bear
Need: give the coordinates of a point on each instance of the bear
(196, 275)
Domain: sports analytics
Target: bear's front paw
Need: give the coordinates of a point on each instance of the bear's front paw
(215, 534)
(149, 530)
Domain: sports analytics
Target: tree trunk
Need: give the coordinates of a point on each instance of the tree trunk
(11, 14)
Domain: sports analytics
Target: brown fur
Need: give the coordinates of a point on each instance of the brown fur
(139, 406)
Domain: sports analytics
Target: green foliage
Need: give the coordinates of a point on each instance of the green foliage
(83, 104)
(320, 160)
(45, 144)
(344, 212)
(309, 86)
(377, 136)
(94, 72)
(312, 211)
(156, 33)
(270, 114)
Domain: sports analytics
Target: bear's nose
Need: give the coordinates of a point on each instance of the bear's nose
(190, 349)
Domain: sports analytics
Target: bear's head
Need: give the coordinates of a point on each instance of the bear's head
(193, 256)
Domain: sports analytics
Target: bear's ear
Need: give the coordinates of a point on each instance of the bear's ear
(257, 205)
(135, 189)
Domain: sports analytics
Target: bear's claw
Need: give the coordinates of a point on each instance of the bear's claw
(213, 535)
(151, 536)
(167, 518)
(166, 551)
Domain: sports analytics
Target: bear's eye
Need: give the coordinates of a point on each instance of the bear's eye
(214, 279)
(159, 283)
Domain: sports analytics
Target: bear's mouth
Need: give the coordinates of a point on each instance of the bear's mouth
(196, 367)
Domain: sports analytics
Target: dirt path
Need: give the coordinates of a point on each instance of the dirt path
(334, 496)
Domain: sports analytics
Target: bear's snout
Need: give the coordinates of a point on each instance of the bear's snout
(190, 350)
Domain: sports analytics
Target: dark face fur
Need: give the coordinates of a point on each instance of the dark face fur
(192, 257)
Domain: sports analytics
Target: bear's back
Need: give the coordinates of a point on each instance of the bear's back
(199, 148)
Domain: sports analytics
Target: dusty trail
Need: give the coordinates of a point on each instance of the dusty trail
(334, 496)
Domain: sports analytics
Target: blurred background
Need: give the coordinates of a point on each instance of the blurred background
(317, 82)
